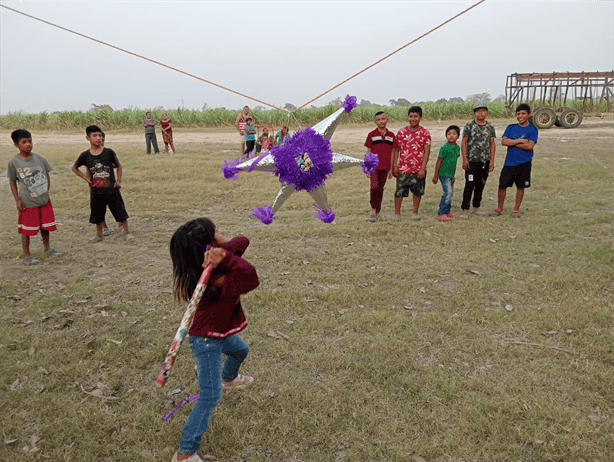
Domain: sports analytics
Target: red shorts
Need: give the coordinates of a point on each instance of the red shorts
(32, 219)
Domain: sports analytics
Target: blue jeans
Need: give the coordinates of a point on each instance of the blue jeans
(445, 205)
(208, 353)
(151, 138)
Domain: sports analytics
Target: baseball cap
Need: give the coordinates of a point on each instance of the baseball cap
(479, 106)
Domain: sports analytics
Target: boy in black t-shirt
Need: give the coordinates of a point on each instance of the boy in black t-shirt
(104, 186)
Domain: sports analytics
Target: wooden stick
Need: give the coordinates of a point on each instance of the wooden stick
(184, 326)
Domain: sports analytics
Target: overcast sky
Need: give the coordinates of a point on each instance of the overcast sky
(287, 51)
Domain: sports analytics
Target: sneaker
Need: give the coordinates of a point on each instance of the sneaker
(478, 212)
(516, 214)
(130, 237)
(55, 253)
(396, 217)
(463, 215)
(106, 232)
(372, 218)
(30, 260)
(239, 382)
(193, 458)
(452, 215)
(496, 213)
(444, 218)
(415, 216)
(95, 239)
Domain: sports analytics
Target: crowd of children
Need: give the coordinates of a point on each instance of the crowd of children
(405, 156)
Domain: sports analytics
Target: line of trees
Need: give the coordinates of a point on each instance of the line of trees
(475, 98)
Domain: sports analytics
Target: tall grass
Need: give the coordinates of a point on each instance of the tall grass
(109, 119)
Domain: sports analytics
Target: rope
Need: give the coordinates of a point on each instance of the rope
(145, 58)
(236, 92)
(388, 56)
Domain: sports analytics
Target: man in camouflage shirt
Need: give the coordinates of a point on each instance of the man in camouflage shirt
(478, 151)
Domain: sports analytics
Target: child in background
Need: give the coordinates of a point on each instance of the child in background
(380, 142)
(520, 139)
(217, 321)
(282, 135)
(410, 156)
(264, 141)
(250, 137)
(100, 163)
(31, 170)
(445, 169)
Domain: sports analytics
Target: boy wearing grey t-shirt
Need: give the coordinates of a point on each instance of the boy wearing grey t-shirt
(31, 172)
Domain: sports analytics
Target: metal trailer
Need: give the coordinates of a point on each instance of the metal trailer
(547, 94)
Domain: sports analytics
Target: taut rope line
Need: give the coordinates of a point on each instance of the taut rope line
(145, 58)
(236, 92)
(388, 56)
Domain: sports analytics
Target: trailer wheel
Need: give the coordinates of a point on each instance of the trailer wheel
(544, 118)
(570, 118)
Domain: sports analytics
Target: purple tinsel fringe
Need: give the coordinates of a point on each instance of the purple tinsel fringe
(349, 103)
(257, 161)
(371, 162)
(264, 214)
(168, 416)
(326, 217)
(230, 170)
(286, 155)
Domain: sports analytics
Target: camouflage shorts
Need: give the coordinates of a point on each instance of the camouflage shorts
(409, 182)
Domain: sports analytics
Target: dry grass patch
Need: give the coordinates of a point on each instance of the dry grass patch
(367, 341)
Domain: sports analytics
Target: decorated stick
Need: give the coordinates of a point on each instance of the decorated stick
(185, 325)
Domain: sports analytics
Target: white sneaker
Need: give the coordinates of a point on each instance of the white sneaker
(193, 458)
(463, 215)
(415, 216)
(478, 212)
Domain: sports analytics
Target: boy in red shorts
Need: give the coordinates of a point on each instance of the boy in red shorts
(31, 170)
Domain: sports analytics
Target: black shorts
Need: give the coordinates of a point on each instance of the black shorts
(520, 175)
(99, 203)
(409, 182)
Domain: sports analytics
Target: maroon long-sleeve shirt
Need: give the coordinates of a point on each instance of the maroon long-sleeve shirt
(219, 313)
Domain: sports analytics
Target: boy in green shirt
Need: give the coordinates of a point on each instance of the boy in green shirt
(445, 170)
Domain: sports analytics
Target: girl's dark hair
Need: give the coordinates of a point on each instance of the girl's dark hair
(187, 247)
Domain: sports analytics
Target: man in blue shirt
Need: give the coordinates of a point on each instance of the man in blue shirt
(520, 139)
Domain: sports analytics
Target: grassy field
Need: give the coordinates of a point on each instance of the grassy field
(132, 118)
(481, 340)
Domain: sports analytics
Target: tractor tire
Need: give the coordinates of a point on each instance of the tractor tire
(570, 118)
(544, 118)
